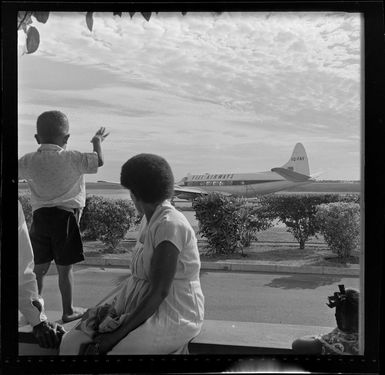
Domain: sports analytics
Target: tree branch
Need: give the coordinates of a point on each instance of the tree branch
(23, 20)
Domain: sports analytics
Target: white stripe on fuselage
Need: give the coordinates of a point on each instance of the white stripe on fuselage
(240, 184)
(268, 175)
(252, 190)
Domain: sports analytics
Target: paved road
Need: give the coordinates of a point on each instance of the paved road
(272, 298)
(249, 297)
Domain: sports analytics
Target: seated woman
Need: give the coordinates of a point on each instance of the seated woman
(344, 338)
(160, 307)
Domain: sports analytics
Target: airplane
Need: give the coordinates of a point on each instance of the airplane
(295, 172)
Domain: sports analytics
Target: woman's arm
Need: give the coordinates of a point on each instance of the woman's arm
(162, 272)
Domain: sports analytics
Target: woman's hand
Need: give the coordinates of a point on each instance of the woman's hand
(106, 341)
(48, 334)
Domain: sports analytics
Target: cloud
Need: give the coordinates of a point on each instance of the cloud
(272, 77)
(178, 45)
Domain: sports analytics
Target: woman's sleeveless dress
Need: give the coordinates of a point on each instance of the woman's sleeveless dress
(179, 317)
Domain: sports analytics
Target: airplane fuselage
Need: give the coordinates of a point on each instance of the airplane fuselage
(246, 185)
(295, 172)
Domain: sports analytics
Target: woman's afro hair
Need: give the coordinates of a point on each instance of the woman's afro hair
(149, 177)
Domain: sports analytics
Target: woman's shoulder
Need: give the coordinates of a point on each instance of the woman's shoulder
(170, 217)
(171, 214)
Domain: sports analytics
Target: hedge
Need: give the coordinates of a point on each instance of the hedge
(339, 223)
(107, 220)
(254, 218)
(219, 221)
(229, 224)
(104, 219)
(25, 200)
(298, 212)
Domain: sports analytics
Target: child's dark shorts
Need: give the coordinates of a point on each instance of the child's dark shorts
(55, 235)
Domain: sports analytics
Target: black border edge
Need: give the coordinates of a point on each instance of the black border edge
(373, 186)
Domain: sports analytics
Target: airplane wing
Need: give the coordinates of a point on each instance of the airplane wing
(179, 191)
(188, 193)
(315, 175)
(191, 193)
(109, 182)
(291, 175)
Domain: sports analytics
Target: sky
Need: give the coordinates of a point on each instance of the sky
(211, 93)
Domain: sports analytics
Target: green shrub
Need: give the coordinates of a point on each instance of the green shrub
(254, 218)
(339, 223)
(220, 221)
(350, 198)
(107, 219)
(297, 212)
(88, 221)
(25, 200)
(103, 219)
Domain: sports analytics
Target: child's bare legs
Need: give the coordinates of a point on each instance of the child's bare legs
(66, 285)
(40, 271)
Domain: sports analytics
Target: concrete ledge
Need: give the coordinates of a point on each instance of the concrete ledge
(216, 337)
(94, 261)
(213, 349)
(237, 266)
(231, 337)
(341, 271)
(252, 266)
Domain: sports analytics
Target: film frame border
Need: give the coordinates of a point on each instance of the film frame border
(371, 135)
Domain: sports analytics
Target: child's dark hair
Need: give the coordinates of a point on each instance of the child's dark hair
(149, 177)
(346, 302)
(51, 124)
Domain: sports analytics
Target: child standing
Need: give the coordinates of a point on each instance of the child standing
(56, 179)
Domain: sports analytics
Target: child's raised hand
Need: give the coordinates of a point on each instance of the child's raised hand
(100, 135)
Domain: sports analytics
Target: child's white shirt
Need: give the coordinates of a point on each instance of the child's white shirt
(56, 176)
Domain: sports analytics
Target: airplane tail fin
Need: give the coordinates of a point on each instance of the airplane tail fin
(297, 168)
(298, 161)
